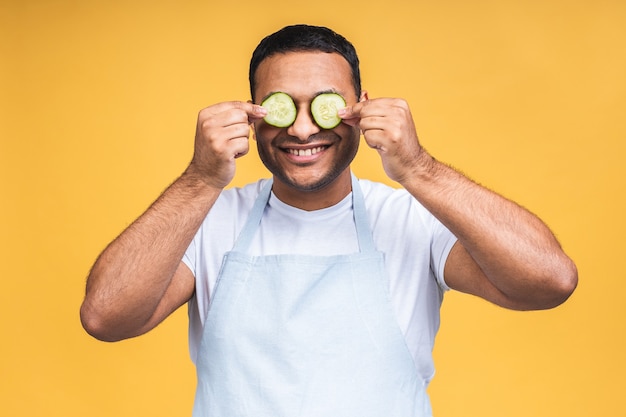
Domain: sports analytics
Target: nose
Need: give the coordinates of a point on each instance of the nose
(304, 126)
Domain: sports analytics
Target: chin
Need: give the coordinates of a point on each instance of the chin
(308, 183)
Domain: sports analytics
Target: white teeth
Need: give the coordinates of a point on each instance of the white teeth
(305, 152)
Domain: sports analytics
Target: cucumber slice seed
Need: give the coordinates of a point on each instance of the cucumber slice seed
(324, 109)
(281, 110)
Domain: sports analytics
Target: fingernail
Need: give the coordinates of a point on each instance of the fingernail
(342, 112)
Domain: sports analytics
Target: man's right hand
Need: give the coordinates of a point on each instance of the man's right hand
(139, 279)
(222, 135)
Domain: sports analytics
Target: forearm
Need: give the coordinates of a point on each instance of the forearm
(506, 254)
(131, 276)
(514, 249)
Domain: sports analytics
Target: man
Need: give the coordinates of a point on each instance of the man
(315, 293)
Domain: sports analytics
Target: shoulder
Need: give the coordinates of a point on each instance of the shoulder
(395, 212)
(231, 208)
(384, 200)
(241, 197)
(375, 192)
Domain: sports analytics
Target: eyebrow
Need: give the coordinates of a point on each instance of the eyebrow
(330, 90)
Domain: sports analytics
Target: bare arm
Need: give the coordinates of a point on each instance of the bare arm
(139, 279)
(505, 254)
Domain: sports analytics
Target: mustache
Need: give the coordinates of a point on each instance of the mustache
(320, 137)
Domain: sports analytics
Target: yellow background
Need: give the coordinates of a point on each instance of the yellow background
(98, 106)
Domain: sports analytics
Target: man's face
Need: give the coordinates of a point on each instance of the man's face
(304, 156)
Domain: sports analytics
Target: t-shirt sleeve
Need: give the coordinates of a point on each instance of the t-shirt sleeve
(189, 258)
(441, 244)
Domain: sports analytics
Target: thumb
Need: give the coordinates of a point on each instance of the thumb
(349, 116)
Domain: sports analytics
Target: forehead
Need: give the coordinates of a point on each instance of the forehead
(303, 74)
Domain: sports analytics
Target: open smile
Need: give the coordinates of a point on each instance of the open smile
(306, 152)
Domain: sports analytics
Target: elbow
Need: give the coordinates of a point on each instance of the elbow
(550, 288)
(561, 284)
(567, 280)
(96, 325)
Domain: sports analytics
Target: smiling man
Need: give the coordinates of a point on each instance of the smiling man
(309, 164)
(314, 293)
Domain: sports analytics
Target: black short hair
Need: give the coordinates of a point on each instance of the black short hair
(301, 37)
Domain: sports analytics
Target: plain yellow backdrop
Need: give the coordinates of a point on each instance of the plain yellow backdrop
(98, 101)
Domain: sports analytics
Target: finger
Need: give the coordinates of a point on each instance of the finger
(375, 138)
(236, 131)
(376, 123)
(253, 111)
(256, 113)
(363, 110)
(347, 113)
(351, 114)
(250, 110)
(239, 146)
(231, 148)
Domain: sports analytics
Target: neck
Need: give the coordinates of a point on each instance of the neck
(327, 196)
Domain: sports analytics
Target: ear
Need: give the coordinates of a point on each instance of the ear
(364, 96)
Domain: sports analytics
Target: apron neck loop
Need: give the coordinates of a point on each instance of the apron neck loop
(364, 234)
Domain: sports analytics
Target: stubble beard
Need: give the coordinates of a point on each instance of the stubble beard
(328, 177)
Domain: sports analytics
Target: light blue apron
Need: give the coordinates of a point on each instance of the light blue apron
(305, 336)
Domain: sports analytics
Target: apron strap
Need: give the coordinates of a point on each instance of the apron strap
(364, 234)
(254, 219)
(363, 230)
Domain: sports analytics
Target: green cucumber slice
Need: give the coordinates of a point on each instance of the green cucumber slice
(324, 109)
(281, 110)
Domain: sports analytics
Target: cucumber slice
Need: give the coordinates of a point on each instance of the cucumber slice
(281, 110)
(324, 109)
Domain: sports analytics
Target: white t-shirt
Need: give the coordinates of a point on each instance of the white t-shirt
(415, 246)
